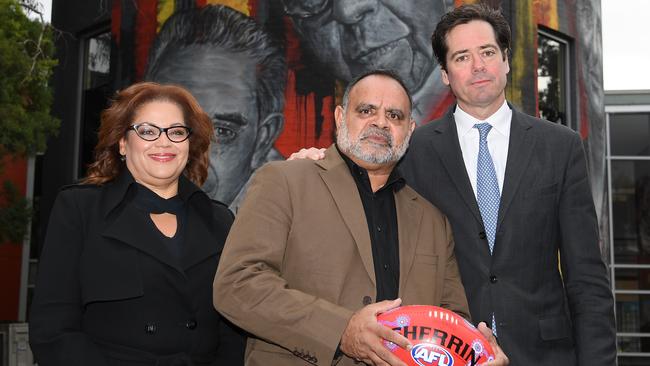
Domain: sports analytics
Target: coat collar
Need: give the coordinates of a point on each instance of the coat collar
(520, 148)
(125, 223)
(339, 181)
(445, 141)
(116, 190)
(336, 176)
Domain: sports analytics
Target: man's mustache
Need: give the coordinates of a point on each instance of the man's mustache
(376, 131)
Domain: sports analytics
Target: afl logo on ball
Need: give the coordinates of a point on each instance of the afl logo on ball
(429, 354)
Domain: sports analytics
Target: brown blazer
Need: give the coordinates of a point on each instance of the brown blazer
(298, 261)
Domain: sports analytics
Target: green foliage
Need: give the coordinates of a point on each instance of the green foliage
(15, 213)
(26, 62)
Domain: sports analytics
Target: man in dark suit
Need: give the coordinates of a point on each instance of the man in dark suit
(316, 243)
(516, 192)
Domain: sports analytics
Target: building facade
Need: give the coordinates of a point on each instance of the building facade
(628, 181)
(556, 72)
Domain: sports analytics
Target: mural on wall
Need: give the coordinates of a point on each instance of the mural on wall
(237, 74)
(581, 20)
(592, 96)
(271, 71)
(350, 37)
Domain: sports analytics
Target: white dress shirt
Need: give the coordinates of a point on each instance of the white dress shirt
(498, 140)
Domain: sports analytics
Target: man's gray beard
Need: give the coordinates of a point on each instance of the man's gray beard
(387, 155)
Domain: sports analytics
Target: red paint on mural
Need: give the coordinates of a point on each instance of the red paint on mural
(584, 110)
(252, 8)
(441, 108)
(116, 21)
(145, 25)
(542, 12)
(300, 127)
(300, 120)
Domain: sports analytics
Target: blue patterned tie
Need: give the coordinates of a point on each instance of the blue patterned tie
(487, 191)
(487, 186)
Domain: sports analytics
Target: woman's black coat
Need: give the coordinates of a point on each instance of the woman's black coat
(108, 292)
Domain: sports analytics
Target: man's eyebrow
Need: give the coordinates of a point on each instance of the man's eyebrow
(488, 45)
(458, 53)
(234, 118)
(361, 106)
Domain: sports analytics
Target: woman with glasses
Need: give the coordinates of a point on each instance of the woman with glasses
(126, 271)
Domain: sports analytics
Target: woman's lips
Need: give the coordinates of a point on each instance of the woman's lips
(162, 158)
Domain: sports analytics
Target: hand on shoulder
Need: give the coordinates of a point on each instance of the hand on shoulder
(312, 153)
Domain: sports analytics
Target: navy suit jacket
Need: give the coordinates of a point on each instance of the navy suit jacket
(547, 313)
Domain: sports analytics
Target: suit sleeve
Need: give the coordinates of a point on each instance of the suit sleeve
(249, 288)
(585, 274)
(55, 332)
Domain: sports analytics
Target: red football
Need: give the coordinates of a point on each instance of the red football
(439, 336)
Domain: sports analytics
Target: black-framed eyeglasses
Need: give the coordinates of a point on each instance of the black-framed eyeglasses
(151, 132)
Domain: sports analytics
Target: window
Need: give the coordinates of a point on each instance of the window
(96, 92)
(553, 85)
(628, 158)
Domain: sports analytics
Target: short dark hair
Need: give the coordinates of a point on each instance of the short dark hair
(463, 15)
(223, 27)
(382, 72)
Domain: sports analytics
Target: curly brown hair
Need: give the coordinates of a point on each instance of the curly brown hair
(116, 119)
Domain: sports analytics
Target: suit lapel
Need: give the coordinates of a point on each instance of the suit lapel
(520, 148)
(409, 216)
(345, 194)
(445, 142)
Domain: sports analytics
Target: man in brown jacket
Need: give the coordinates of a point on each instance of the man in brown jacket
(319, 248)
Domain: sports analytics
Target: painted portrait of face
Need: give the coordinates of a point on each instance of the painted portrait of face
(354, 36)
(224, 83)
(237, 77)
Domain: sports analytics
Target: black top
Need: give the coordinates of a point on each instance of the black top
(381, 215)
(148, 202)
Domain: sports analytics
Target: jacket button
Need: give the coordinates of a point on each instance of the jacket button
(482, 235)
(493, 279)
(150, 328)
(190, 324)
(367, 300)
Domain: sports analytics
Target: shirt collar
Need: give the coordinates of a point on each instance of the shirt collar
(395, 179)
(500, 120)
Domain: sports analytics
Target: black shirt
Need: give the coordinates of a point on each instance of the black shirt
(149, 202)
(381, 215)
